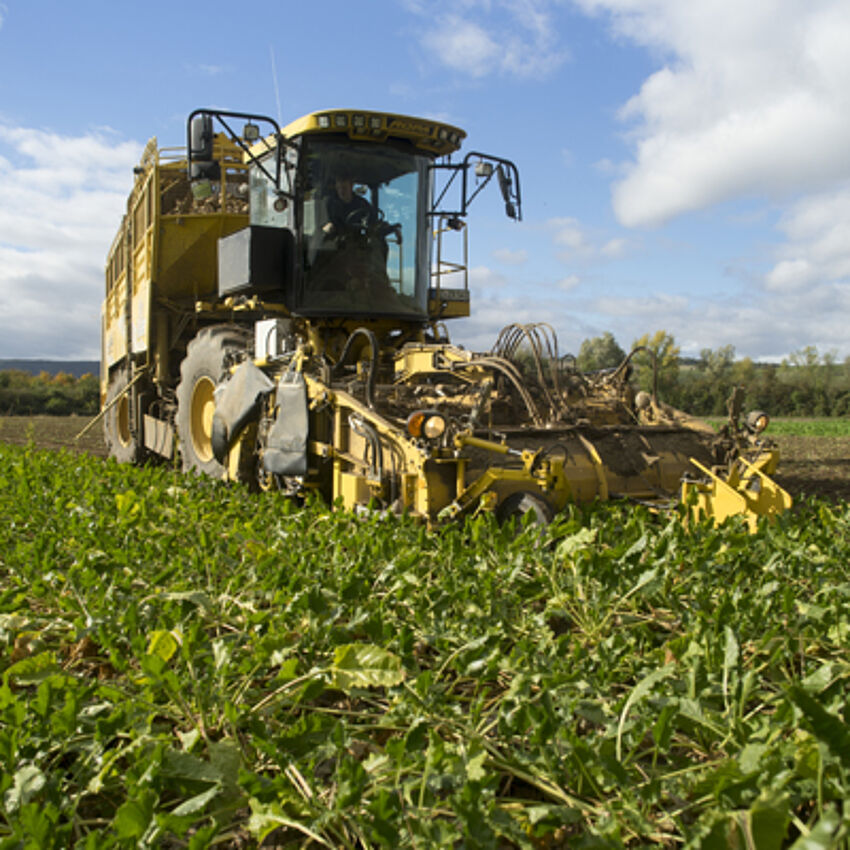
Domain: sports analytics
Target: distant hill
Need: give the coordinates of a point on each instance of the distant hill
(52, 367)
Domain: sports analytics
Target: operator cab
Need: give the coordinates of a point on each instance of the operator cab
(364, 231)
(343, 207)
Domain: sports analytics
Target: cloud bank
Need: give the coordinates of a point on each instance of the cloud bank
(751, 100)
(479, 37)
(61, 200)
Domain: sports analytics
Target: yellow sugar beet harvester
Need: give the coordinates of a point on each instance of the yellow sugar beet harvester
(275, 314)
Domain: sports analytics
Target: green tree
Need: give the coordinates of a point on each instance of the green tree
(744, 373)
(812, 381)
(715, 379)
(57, 404)
(717, 363)
(24, 394)
(666, 356)
(599, 352)
(64, 379)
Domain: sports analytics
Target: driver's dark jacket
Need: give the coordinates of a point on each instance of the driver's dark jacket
(339, 211)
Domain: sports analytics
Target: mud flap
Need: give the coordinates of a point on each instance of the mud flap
(237, 405)
(286, 448)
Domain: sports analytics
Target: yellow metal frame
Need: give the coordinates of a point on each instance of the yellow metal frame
(438, 484)
(162, 255)
(748, 491)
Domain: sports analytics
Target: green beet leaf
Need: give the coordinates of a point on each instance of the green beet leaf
(361, 665)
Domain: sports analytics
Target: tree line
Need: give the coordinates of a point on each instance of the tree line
(24, 394)
(805, 383)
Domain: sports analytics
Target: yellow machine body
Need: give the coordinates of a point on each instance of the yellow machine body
(235, 336)
(163, 258)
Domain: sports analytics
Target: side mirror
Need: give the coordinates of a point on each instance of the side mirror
(202, 166)
(506, 186)
(202, 137)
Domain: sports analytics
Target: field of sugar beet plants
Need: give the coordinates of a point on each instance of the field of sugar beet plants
(185, 664)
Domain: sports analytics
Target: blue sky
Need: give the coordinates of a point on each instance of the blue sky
(684, 165)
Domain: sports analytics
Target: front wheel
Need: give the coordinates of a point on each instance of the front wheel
(208, 357)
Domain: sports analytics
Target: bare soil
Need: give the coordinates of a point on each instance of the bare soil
(814, 466)
(53, 432)
(809, 466)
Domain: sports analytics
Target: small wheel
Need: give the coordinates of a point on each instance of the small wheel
(517, 505)
(119, 431)
(205, 364)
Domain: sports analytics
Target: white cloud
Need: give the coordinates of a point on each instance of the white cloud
(568, 233)
(789, 275)
(61, 201)
(568, 283)
(492, 311)
(482, 279)
(511, 258)
(614, 248)
(751, 101)
(478, 38)
(817, 251)
(765, 326)
(660, 304)
(607, 167)
(579, 244)
(462, 45)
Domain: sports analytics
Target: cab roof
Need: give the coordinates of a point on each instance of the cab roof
(361, 125)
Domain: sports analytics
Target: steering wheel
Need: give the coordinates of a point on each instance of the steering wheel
(358, 218)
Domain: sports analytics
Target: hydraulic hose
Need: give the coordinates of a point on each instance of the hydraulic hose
(652, 356)
(373, 362)
(510, 372)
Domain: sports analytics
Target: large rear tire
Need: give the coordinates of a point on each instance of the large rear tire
(119, 422)
(208, 357)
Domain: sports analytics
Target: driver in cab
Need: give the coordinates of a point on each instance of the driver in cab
(346, 208)
(349, 212)
(357, 262)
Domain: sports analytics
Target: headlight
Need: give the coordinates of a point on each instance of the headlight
(757, 420)
(426, 424)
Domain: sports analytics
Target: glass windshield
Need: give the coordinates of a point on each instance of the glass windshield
(363, 253)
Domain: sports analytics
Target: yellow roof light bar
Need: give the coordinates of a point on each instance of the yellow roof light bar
(432, 136)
